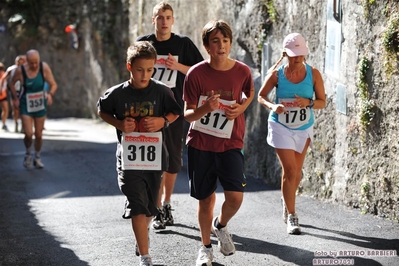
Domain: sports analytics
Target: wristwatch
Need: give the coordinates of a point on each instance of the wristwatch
(311, 103)
(166, 124)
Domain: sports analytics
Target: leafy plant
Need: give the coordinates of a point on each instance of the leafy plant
(269, 16)
(261, 39)
(366, 188)
(390, 42)
(367, 7)
(271, 10)
(366, 105)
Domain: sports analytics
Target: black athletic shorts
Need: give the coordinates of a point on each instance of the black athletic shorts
(174, 144)
(141, 189)
(206, 167)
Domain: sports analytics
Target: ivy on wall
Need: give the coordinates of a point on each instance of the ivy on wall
(390, 42)
(367, 5)
(366, 104)
(270, 10)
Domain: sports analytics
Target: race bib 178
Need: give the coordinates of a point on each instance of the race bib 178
(295, 116)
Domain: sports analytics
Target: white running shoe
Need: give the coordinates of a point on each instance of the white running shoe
(225, 243)
(38, 163)
(293, 225)
(145, 261)
(28, 161)
(205, 256)
(285, 212)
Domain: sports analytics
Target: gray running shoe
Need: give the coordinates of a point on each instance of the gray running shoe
(205, 257)
(225, 243)
(158, 222)
(293, 225)
(145, 261)
(28, 161)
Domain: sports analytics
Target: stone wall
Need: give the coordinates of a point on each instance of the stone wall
(350, 163)
(81, 74)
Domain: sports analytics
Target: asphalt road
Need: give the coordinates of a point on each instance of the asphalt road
(69, 213)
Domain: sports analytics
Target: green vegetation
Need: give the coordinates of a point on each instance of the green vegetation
(353, 150)
(366, 105)
(269, 9)
(390, 42)
(365, 188)
(262, 38)
(365, 192)
(367, 7)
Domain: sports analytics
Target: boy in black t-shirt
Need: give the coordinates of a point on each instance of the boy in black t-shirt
(140, 109)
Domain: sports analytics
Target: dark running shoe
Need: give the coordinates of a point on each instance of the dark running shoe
(168, 217)
(158, 221)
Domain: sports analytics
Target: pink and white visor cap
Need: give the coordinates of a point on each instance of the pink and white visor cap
(295, 45)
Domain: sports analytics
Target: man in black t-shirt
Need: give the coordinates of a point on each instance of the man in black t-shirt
(176, 54)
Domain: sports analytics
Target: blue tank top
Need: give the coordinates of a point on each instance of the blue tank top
(286, 89)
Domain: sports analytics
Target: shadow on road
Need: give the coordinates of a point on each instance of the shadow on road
(72, 169)
(294, 255)
(373, 243)
(22, 240)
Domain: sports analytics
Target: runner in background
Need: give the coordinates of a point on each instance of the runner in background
(19, 60)
(3, 98)
(32, 103)
(176, 54)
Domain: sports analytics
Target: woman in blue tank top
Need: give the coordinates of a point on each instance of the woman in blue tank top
(299, 90)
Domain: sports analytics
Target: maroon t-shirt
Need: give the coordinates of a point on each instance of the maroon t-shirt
(230, 84)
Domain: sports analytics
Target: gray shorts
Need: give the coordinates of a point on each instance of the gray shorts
(141, 189)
